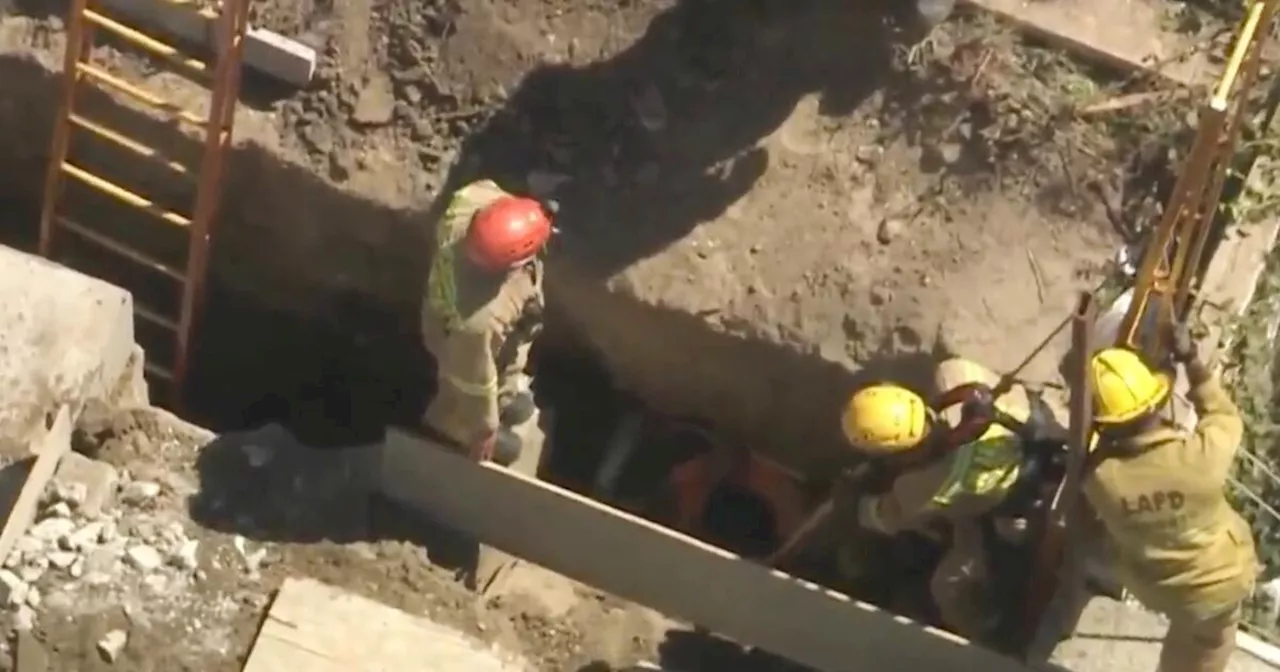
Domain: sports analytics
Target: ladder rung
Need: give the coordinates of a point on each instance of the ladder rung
(145, 41)
(128, 143)
(154, 318)
(119, 248)
(120, 193)
(138, 94)
(157, 370)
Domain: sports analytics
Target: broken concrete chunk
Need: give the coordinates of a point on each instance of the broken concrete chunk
(138, 493)
(185, 556)
(33, 568)
(111, 644)
(50, 530)
(33, 597)
(62, 559)
(87, 536)
(24, 619)
(98, 479)
(144, 558)
(58, 510)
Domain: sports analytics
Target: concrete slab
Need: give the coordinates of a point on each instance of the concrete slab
(266, 52)
(65, 339)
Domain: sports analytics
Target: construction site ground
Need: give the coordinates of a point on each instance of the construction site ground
(777, 187)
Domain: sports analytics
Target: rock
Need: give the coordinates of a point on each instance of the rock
(24, 619)
(144, 558)
(102, 560)
(950, 152)
(870, 154)
(138, 493)
(77, 568)
(109, 533)
(185, 557)
(62, 559)
(98, 479)
(33, 597)
(111, 644)
(58, 510)
(87, 536)
(71, 493)
(33, 568)
(50, 530)
(377, 102)
(30, 546)
(13, 590)
(889, 229)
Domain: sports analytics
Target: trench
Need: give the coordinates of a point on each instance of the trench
(291, 338)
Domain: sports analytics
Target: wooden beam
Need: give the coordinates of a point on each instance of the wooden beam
(1103, 33)
(266, 52)
(314, 627)
(667, 571)
(55, 444)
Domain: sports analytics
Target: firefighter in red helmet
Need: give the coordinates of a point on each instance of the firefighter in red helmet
(482, 311)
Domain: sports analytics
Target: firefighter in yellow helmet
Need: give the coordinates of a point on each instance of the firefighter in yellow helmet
(952, 467)
(1160, 492)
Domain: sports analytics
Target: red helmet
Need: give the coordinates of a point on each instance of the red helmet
(507, 233)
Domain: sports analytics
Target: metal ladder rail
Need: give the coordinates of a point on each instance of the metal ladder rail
(232, 24)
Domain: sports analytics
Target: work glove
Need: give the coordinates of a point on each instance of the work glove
(1182, 347)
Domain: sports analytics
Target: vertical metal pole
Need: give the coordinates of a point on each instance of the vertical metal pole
(79, 39)
(232, 25)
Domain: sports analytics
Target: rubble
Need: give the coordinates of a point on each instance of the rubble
(111, 644)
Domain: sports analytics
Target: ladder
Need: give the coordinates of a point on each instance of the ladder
(222, 77)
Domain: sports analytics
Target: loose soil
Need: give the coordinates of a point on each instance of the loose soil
(778, 187)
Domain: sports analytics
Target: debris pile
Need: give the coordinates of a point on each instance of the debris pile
(78, 542)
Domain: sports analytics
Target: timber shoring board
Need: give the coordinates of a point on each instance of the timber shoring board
(664, 570)
(1035, 19)
(314, 627)
(55, 443)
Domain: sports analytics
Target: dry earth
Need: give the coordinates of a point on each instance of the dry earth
(777, 186)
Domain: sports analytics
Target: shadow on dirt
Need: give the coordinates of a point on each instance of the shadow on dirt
(648, 144)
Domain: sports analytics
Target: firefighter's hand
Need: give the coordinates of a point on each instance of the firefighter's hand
(1181, 344)
(482, 448)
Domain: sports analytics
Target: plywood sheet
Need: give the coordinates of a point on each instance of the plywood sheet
(318, 628)
(664, 570)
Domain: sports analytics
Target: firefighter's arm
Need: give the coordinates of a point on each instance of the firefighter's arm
(1219, 428)
(908, 504)
(470, 367)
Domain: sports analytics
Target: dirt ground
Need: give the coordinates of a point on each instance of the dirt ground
(776, 174)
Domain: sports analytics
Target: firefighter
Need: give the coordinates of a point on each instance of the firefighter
(950, 471)
(480, 316)
(1160, 492)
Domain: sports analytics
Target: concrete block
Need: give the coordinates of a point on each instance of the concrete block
(65, 338)
(99, 479)
(269, 53)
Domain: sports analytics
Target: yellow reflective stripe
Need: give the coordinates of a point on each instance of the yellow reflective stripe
(473, 389)
(987, 467)
(442, 290)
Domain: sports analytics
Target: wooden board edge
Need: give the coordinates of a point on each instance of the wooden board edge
(53, 445)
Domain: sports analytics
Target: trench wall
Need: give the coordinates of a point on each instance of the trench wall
(315, 290)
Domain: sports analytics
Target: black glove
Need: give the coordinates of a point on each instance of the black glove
(1182, 347)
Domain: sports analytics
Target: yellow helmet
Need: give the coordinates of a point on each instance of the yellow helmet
(885, 419)
(1125, 388)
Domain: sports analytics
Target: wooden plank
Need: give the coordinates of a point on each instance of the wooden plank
(659, 568)
(55, 443)
(1127, 36)
(266, 52)
(318, 628)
